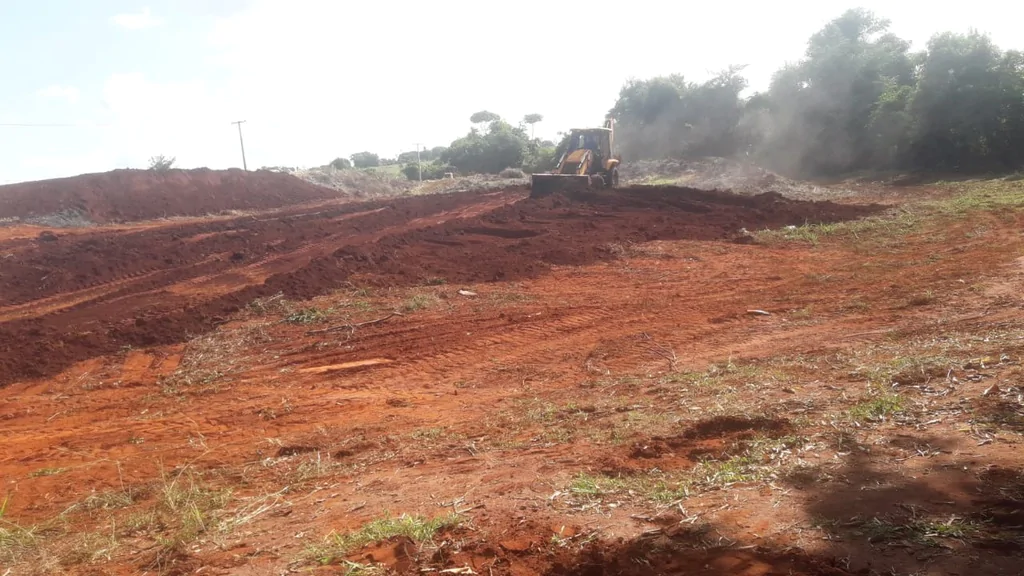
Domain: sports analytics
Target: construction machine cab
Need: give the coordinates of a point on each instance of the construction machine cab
(589, 161)
(597, 140)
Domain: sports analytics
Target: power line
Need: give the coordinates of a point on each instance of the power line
(32, 125)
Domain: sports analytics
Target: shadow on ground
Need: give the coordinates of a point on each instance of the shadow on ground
(957, 516)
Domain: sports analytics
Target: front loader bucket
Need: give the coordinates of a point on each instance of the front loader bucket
(547, 184)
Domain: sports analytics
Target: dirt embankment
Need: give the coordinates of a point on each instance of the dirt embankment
(132, 195)
(84, 295)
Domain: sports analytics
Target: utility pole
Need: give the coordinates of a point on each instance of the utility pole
(242, 143)
(419, 167)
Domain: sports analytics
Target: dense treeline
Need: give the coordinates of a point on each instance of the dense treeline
(860, 99)
(491, 146)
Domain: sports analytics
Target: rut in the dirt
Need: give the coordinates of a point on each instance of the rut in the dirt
(520, 239)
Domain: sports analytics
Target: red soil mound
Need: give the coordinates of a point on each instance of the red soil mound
(523, 239)
(123, 280)
(130, 195)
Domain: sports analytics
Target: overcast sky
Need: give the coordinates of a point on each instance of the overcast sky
(317, 79)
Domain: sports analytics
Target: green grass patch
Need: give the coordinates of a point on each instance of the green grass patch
(754, 460)
(919, 531)
(895, 223)
(654, 487)
(389, 170)
(878, 409)
(48, 472)
(724, 374)
(309, 315)
(980, 196)
(967, 198)
(415, 527)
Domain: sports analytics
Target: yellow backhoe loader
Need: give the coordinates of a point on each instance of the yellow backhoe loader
(589, 162)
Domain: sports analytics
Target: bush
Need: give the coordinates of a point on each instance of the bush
(341, 164)
(365, 160)
(512, 173)
(432, 171)
(543, 159)
(161, 163)
(411, 171)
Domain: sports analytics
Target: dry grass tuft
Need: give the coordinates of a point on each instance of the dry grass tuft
(209, 360)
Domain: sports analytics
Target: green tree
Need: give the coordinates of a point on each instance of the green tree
(341, 164)
(667, 115)
(823, 106)
(532, 120)
(365, 160)
(968, 106)
(502, 146)
(484, 116)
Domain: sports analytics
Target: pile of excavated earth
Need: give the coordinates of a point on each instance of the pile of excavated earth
(133, 195)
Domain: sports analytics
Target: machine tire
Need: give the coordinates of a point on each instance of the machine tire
(612, 181)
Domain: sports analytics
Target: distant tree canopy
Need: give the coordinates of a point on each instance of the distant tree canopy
(858, 100)
(425, 155)
(483, 116)
(341, 164)
(502, 146)
(365, 160)
(670, 116)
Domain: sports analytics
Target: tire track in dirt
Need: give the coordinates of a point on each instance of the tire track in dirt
(250, 273)
(467, 355)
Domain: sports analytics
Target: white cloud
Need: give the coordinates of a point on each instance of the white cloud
(136, 21)
(69, 94)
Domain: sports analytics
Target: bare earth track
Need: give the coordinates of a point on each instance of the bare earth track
(578, 380)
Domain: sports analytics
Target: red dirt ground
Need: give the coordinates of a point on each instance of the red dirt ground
(580, 351)
(132, 195)
(73, 297)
